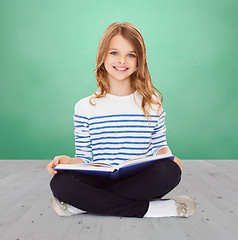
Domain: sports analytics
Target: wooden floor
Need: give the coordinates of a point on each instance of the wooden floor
(26, 213)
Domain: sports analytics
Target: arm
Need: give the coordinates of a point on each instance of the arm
(159, 141)
(158, 137)
(83, 145)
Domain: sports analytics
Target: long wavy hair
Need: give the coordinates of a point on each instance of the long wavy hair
(140, 79)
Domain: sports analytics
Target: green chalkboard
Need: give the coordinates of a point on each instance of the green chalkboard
(48, 52)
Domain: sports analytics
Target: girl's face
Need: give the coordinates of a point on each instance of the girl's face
(121, 59)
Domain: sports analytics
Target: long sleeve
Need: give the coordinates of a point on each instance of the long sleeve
(83, 145)
(159, 135)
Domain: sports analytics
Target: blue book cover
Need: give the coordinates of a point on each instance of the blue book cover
(123, 170)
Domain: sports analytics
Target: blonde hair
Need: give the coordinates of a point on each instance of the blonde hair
(140, 79)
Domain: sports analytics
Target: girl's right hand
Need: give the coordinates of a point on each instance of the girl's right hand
(57, 160)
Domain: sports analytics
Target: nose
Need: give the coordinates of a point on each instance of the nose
(122, 60)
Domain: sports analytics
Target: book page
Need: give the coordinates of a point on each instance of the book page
(143, 159)
(86, 166)
(100, 164)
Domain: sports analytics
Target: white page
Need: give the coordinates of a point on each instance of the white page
(143, 159)
(87, 166)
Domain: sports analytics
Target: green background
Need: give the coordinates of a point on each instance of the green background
(48, 52)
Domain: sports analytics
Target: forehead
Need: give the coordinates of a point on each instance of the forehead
(120, 43)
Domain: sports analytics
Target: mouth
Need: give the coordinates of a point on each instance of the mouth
(119, 69)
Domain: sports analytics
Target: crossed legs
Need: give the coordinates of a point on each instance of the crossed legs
(128, 197)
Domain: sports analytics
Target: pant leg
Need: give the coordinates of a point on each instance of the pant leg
(154, 182)
(86, 193)
(128, 197)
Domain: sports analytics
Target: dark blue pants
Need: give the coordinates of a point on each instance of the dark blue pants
(127, 198)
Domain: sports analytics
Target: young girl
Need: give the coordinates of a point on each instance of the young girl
(123, 119)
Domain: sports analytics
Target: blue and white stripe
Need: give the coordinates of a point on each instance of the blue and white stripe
(113, 138)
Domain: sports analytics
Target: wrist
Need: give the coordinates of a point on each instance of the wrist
(76, 160)
(164, 150)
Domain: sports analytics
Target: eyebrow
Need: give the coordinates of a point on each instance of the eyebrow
(117, 49)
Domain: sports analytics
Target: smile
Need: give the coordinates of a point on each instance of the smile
(118, 69)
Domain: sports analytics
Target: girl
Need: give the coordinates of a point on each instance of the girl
(123, 119)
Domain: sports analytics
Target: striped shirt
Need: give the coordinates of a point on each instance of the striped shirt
(116, 129)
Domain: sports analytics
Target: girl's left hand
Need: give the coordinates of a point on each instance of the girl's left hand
(178, 161)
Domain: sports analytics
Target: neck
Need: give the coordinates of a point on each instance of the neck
(121, 88)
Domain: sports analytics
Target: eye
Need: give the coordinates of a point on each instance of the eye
(113, 52)
(132, 55)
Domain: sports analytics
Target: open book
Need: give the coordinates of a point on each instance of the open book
(123, 170)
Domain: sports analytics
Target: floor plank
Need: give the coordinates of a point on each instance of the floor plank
(26, 212)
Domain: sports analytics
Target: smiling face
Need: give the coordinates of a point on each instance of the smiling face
(121, 60)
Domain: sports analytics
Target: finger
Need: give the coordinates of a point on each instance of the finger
(54, 165)
(56, 160)
(50, 167)
(52, 171)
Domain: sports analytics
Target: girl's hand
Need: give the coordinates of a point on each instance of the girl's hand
(178, 161)
(57, 160)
